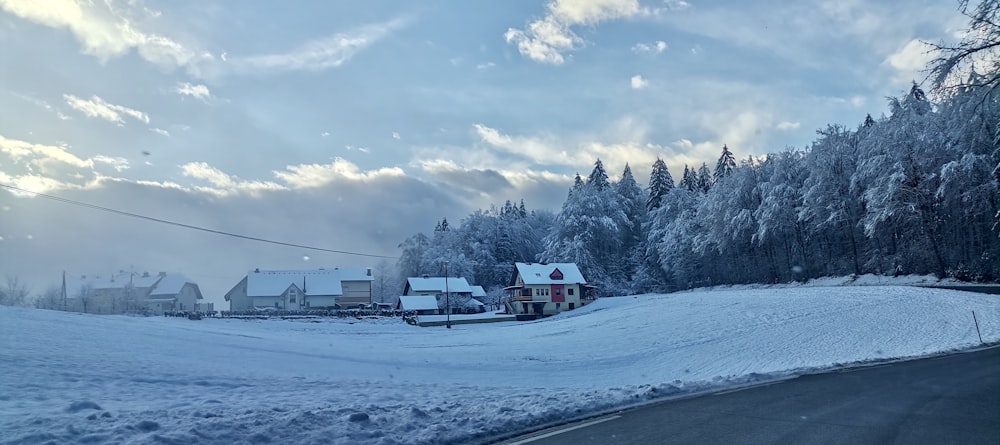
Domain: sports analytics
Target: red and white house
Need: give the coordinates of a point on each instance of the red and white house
(546, 288)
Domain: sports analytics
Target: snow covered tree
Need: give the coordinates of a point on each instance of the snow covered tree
(598, 178)
(727, 162)
(660, 183)
(13, 292)
(704, 179)
(689, 181)
(978, 50)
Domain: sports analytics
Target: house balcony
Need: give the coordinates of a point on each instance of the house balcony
(521, 298)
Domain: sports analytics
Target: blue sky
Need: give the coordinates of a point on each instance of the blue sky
(352, 125)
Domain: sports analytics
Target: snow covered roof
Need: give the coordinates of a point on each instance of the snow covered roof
(120, 280)
(418, 302)
(270, 283)
(478, 292)
(430, 284)
(544, 273)
(171, 284)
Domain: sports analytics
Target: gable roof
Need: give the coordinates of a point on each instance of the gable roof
(478, 292)
(540, 273)
(171, 284)
(418, 302)
(271, 283)
(120, 280)
(432, 284)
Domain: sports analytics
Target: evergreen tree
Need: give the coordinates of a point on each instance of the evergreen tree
(689, 181)
(660, 183)
(726, 164)
(868, 121)
(598, 177)
(704, 179)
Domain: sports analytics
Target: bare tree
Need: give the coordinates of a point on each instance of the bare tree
(50, 299)
(14, 292)
(86, 295)
(955, 65)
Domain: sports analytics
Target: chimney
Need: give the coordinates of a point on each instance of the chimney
(145, 274)
(369, 272)
(163, 274)
(257, 270)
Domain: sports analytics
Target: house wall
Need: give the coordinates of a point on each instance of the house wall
(187, 298)
(238, 299)
(355, 292)
(543, 292)
(321, 301)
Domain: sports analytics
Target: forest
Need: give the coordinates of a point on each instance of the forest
(916, 191)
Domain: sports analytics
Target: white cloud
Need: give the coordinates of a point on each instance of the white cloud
(99, 108)
(321, 54)
(639, 83)
(627, 147)
(45, 105)
(656, 47)
(199, 92)
(224, 184)
(353, 148)
(104, 30)
(786, 125)
(118, 163)
(317, 175)
(395, 135)
(39, 154)
(160, 131)
(546, 40)
(486, 65)
(325, 134)
(909, 61)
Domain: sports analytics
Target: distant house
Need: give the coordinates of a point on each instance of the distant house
(302, 289)
(546, 289)
(176, 293)
(454, 290)
(421, 304)
(129, 292)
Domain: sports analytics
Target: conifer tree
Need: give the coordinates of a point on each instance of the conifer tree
(726, 164)
(598, 177)
(660, 183)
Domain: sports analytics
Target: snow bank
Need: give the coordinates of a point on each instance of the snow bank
(74, 378)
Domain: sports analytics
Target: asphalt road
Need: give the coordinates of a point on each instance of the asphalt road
(945, 400)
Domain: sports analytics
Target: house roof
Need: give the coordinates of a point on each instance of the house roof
(418, 302)
(271, 283)
(171, 284)
(120, 280)
(478, 292)
(540, 273)
(430, 284)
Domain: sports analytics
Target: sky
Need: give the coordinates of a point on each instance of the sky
(351, 126)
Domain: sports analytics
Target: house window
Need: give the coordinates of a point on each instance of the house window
(569, 292)
(557, 306)
(572, 306)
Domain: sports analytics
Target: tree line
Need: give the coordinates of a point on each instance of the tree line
(913, 192)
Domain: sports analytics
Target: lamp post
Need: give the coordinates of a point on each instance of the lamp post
(447, 298)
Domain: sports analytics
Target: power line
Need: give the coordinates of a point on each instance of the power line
(188, 226)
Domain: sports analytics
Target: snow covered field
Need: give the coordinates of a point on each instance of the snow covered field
(74, 378)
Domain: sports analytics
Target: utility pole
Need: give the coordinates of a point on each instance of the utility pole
(447, 297)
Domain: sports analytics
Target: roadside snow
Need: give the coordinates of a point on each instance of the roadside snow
(74, 378)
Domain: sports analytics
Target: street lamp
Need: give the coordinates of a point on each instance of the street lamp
(447, 298)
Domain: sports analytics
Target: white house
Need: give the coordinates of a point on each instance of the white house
(132, 292)
(454, 290)
(546, 288)
(302, 289)
(421, 304)
(175, 293)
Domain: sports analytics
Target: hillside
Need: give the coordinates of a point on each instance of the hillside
(74, 378)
